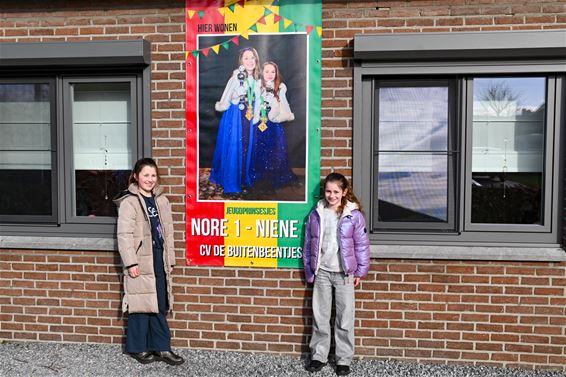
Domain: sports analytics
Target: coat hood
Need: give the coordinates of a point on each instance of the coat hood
(134, 190)
(350, 206)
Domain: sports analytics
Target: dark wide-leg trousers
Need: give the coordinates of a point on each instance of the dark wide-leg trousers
(150, 331)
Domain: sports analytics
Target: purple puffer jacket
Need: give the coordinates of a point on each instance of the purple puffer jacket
(352, 238)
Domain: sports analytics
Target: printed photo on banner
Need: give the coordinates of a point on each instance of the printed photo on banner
(252, 118)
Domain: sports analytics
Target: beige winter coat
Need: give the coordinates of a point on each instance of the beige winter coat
(136, 247)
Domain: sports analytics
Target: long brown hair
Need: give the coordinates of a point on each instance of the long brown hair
(140, 164)
(276, 82)
(344, 184)
(256, 73)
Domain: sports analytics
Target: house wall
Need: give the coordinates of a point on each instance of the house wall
(500, 313)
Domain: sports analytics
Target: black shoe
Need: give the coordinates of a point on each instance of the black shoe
(143, 357)
(342, 370)
(169, 357)
(315, 366)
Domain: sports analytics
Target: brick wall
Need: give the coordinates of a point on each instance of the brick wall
(501, 313)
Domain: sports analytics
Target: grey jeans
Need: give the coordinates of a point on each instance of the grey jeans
(345, 311)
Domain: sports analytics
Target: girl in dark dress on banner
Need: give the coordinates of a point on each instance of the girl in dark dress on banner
(269, 166)
(239, 102)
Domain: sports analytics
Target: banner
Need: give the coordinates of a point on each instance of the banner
(253, 89)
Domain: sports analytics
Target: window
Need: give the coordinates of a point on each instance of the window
(101, 117)
(27, 151)
(70, 137)
(414, 155)
(465, 142)
(508, 148)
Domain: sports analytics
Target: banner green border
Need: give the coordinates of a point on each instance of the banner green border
(307, 12)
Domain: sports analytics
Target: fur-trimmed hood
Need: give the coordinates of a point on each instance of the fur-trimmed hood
(348, 208)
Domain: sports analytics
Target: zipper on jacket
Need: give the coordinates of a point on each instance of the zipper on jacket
(165, 254)
(320, 236)
(342, 257)
(143, 209)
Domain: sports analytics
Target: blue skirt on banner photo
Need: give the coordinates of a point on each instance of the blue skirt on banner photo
(231, 161)
(269, 162)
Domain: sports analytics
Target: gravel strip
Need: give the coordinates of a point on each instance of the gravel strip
(63, 359)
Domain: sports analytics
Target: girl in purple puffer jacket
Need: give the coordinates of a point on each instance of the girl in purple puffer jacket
(335, 255)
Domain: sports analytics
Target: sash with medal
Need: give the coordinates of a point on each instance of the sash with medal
(249, 96)
(265, 107)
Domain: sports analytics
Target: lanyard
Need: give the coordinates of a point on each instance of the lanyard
(262, 107)
(251, 86)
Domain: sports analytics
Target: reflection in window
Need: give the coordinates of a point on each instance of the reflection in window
(508, 150)
(412, 159)
(102, 147)
(25, 150)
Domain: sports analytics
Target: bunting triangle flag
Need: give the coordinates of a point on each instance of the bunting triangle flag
(275, 2)
(245, 34)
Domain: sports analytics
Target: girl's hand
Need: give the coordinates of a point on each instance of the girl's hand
(356, 281)
(134, 271)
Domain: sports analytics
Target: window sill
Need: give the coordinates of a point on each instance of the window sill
(58, 243)
(534, 254)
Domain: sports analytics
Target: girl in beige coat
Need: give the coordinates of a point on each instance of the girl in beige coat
(145, 242)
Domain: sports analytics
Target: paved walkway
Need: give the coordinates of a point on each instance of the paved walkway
(55, 359)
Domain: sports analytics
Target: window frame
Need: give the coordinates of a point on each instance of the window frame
(434, 55)
(550, 104)
(451, 153)
(18, 219)
(60, 61)
(68, 97)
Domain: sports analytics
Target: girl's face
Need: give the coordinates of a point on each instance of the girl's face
(333, 194)
(269, 73)
(147, 178)
(248, 60)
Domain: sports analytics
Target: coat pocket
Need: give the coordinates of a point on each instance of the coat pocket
(139, 246)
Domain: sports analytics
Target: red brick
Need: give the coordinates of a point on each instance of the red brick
(450, 307)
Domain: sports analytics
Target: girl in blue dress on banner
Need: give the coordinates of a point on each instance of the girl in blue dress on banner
(240, 104)
(269, 166)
